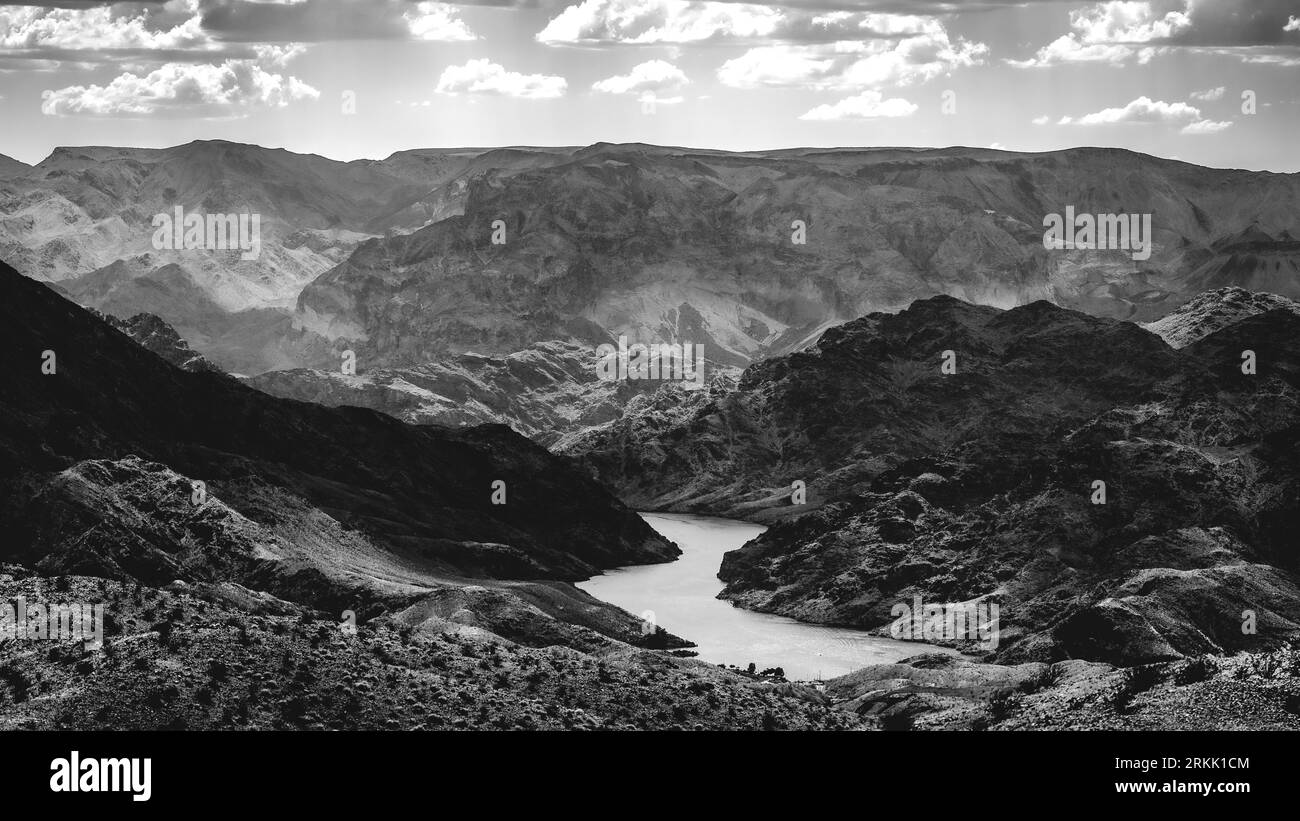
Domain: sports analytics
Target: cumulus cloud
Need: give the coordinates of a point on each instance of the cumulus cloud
(1116, 31)
(1292, 23)
(1109, 32)
(1206, 127)
(642, 22)
(652, 77)
(1209, 95)
(853, 64)
(208, 30)
(181, 89)
(1146, 110)
(1043, 120)
(42, 33)
(482, 76)
(868, 105)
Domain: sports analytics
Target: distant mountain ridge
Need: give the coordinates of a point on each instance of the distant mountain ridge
(705, 246)
(394, 258)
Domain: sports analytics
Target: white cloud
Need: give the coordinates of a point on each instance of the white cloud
(658, 21)
(653, 77)
(96, 28)
(1146, 110)
(851, 65)
(1206, 127)
(608, 22)
(209, 29)
(278, 56)
(865, 106)
(1043, 120)
(1110, 32)
(229, 89)
(1117, 31)
(1209, 95)
(482, 76)
(1142, 110)
(437, 21)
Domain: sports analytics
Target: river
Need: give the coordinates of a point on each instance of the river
(683, 597)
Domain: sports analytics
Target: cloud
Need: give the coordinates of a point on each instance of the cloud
(852, 65)
(1209, 95)
(482, 76)
(865, 106)
(1292, 23)
(1043, 120)
(1206, 127)
(1253, 31)
(1109, 32)
(1146, 110)
(319, 20)
(30, 31)
(652, 77)
(181, 89)
(642, 22)
(206, 30)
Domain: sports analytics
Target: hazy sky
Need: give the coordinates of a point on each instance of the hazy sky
(364, 78)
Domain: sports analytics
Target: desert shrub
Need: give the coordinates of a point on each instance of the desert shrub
(1198, 669)
(1003, 703)
(1136, 680)
(18, 682)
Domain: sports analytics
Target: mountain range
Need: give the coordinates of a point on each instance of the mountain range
(918, 398)
(395, 260)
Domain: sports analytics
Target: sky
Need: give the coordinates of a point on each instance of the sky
(1212, 82)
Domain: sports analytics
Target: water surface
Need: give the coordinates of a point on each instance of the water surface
(683, 597)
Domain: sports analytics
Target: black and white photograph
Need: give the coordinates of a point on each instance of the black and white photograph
(519, 368)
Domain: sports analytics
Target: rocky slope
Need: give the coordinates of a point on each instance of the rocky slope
(9, 167)
(1246, 691)
(870, 395)
(979, 485)
(423, 492)
(545, 392)
(685, 245)
(84, 217)
(219, 657)
(1207, 312)
(161, 339)
(194, 657)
